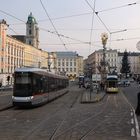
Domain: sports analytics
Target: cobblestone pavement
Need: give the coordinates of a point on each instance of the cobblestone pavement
(67, 119)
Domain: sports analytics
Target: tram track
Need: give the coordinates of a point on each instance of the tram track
(93, 130)
(99, 125)
(67, 113)
(55, 132)
(66, 108)
(105, 115)
(80, 123)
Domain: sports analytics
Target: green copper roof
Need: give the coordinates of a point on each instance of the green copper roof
(31, 19)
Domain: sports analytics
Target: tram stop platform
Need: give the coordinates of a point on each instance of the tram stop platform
(92, 96)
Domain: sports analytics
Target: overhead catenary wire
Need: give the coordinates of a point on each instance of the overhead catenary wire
(97, 16)
(109, 9)
(13, 30)
(119, 39)
(65, 17)
(23, 22)
(88, 29)
(76, 15)
(64, 36)
(91, 31)
(12, 16)
(52, 24)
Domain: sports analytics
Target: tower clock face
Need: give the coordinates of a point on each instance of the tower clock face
(138, 45)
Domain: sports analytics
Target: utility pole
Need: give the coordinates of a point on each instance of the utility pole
(104, 38)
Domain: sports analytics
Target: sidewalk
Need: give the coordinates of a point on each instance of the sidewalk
(92, 97)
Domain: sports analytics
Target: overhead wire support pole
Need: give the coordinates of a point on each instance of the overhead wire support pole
(52, 24)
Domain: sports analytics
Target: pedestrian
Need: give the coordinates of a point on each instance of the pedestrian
(138, 105)
(80, 84)
(101, 86)
(86, 84)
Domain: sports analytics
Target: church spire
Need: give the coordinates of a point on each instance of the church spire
(32, 31)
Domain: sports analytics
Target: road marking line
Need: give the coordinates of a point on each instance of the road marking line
(131, 113)
(132, 121)
(135, 118)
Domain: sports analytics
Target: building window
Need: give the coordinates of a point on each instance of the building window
(11, 50)
(62, 63)
(30, 42)
(8, 60)
(67, 63)
(1, 70)
(30, 32)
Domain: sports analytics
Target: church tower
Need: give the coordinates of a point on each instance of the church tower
(32, 31)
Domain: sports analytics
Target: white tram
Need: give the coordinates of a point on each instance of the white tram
(34, 86)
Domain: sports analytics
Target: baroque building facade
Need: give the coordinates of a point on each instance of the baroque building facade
(15, 53)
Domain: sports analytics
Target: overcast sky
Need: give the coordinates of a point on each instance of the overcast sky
(73, 20)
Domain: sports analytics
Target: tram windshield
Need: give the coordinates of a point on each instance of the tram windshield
(112, 81)
(22, 85)
(22, 78)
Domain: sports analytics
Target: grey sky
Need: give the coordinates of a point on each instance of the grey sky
(77, 27)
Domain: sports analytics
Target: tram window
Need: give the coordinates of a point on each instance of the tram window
(112, 84)
(22, 78)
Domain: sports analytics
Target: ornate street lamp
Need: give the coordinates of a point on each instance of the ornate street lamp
(104, 38)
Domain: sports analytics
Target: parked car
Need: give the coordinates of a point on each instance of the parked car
(120, 83)
(127, 83)
(124, 83)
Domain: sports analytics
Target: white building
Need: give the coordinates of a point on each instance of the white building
(96, 57)
(69, 63)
